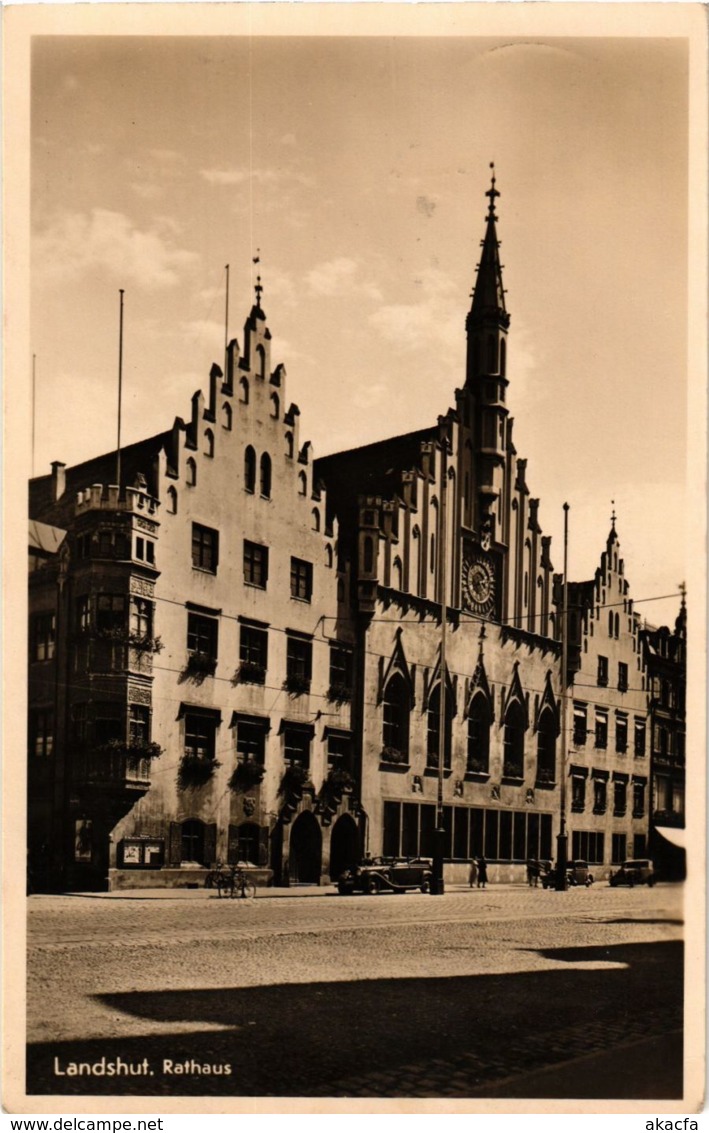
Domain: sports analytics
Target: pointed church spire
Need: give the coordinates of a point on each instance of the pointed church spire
(489, 294)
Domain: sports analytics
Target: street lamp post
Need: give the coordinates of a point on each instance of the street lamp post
(437, 883)
(562, 852)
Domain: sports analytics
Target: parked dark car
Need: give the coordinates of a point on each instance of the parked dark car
(381, 875)
(577, 873)
(634, 871)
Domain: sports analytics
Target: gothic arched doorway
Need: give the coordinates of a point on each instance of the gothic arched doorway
(344, 845)
(305, 850)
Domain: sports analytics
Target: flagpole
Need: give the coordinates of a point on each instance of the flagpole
(120, 393)
(226, 328)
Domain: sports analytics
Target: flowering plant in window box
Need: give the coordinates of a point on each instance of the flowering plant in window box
(513, 771)
(247, 774)
(545, 776)
(477, 767)
(145, 644)
(195, 771)
(249, 672)
(199, 666)
(393, 755)
(144, 749)
(295, 778)
(339, 694)
(296, 685)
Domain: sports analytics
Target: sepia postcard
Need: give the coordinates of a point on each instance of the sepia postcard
(354, 680)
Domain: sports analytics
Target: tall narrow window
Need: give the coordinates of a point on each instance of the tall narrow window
(266, 476)
(479, 735)
(226, 415)
(289, 444)
(546, 747)
(260, 361)
(172, 500)
(275, 405)
(514, 741)
(244, 391)
(301, 579)
(395, 734)
(434, 728)
(191, 469)
(209, 442)
(302, 483)
(503, 357)
(250, 469)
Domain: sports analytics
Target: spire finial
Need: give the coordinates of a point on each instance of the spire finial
(683, 592)
(492, 193)
(613, 515)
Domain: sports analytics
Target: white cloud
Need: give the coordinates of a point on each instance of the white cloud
(146, 191)
(435, 319)
(74, 244)
(340, 277)
(262, 177)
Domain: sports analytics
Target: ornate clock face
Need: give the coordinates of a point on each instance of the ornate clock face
(478, 584)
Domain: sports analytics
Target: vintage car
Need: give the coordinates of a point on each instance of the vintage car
(634, 871)
(382, 875)
(577, 873)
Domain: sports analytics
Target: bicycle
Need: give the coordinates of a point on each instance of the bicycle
(235, 883)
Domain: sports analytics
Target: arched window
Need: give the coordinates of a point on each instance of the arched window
(328, 556)
(434, 728)
(275, 406)
(492, 354)
(209, 442)
(503, 357)
(260, 361)
(395, 733)
(433, 553)
(513, 766)
(226, 415)
(316, 519)
(610, 623)
(617, 625)
(250, 469)
(266, 476)
(302, 483)
(191, 472)
(289, 444)
(546, 747)
(479, 735)
(172, 500)
(244, 391)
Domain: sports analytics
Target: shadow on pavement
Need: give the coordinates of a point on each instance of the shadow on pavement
(429, 1037)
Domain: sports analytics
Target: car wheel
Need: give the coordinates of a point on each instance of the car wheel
(371, 886)
(589, 881)
(426, 885)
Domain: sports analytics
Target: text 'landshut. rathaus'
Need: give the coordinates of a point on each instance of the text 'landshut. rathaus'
(235, 651)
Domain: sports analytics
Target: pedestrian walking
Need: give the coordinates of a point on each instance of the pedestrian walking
(473, 875)
(482, 873)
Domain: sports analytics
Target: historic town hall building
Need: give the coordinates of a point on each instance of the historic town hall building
(235, 648)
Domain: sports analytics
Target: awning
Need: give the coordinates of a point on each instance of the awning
(673, 834)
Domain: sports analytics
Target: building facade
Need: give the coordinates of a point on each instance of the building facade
(665, 658)
(239, 653)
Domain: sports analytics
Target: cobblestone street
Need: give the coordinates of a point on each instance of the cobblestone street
(469, 994)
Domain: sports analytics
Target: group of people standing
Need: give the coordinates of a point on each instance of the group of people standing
(478, 873)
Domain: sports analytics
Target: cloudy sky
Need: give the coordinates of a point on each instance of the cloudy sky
(358, 167)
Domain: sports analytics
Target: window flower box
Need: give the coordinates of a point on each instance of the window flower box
(249, 672)
(195, 772)
(247, 774)
(297, 685)
(200, 666)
